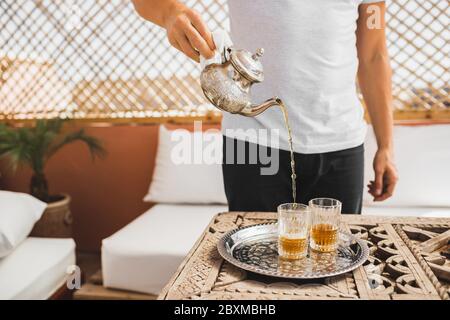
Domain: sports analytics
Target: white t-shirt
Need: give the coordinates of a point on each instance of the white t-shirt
(310, 62)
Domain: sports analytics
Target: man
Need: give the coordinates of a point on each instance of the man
(314, 51)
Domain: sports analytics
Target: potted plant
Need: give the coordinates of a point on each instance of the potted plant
(34, 146)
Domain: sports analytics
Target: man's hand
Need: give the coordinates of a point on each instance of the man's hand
(385, 176)
(188, 33)
(185, 28)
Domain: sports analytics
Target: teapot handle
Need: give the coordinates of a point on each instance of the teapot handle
(226, 54)
(223, 43)
(204, 62)
(220, 57)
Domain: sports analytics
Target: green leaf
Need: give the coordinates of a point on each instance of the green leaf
(95, 146)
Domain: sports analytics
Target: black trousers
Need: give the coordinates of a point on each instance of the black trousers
(337, 175)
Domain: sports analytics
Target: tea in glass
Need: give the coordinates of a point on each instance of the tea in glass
(325, 216)
(293, 230)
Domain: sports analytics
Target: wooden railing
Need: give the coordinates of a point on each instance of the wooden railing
(96, 60)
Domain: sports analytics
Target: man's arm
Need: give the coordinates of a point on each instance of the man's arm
(374, 77)
(185, 28)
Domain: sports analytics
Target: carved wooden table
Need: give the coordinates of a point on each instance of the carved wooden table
(409, 259)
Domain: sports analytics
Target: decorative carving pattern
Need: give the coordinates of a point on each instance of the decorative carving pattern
(414, 243)
(408, 260)
(205, 260)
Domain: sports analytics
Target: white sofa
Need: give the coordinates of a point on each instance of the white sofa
(144, 254)
(30, 268)
(36, 269)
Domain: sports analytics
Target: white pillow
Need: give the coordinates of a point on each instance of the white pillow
(422, 156)
(188, 168)
(18, 214)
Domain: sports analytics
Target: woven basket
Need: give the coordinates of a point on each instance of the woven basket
(56, 221)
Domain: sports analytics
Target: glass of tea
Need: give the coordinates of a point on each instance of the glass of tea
(325, 217)
(293, 230)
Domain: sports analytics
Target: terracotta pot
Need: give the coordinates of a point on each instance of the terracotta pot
(56, 221)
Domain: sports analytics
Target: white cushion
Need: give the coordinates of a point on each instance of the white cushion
(18, 214)
(143, 255)
(188, 168)
(406, 211)
(422, 156)
(36, 268)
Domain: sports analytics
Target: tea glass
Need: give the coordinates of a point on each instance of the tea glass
(293, 230)
(325, 218)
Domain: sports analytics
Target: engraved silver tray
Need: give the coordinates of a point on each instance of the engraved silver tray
(254, 248)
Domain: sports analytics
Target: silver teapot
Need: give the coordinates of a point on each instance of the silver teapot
(227, 85)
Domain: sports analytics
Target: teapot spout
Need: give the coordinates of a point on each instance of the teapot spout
(255, 110)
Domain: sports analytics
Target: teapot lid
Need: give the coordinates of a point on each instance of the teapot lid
(247, 64)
